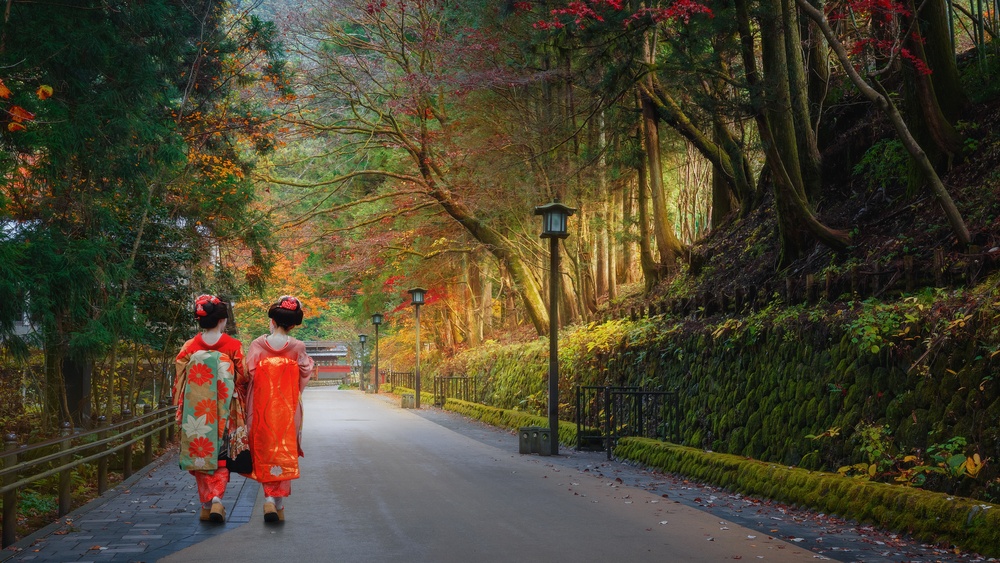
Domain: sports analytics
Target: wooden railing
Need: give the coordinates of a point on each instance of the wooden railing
(25, 465)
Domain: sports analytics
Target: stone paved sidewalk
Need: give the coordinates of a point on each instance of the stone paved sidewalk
(150, 515)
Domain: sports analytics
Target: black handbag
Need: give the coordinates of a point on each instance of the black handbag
(236, 442)
(242, 463)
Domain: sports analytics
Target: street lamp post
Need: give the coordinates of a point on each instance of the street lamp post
(363, 338)
(417, 299)
(554, 218)
(376, 320)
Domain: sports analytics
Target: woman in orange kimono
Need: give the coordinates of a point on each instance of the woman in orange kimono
(279, 370)
(209, 369)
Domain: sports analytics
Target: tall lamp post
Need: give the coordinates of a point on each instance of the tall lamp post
(554, 218)
(417, 299)
(363, 338)
(376, 320)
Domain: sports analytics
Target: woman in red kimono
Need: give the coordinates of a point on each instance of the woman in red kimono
(209, 411)
(279, 370)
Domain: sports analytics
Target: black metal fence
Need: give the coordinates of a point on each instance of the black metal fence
(605, 414)
(445, 388)
(402, 379)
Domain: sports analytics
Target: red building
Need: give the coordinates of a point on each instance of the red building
(330, 357)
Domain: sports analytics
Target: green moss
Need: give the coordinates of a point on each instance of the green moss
(929, 516)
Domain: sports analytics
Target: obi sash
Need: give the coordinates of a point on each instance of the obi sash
(273, 432)
(207, 392)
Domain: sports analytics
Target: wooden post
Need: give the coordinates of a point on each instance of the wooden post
(65, 476)
(972, 265)
(163, 431)
(10, 497)
(938, 267)
(908, 273)
(147, 442)
(810, 288)
(172, 428)
(102, 462)
(127, 450)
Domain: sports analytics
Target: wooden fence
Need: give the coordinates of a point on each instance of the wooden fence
(24, 465)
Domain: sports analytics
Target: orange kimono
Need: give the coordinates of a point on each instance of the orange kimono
(274, 411)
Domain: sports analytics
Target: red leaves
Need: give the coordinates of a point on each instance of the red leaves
(886, 46)
(580, 12)
(4, 90)
(884, 10)
(680, 10)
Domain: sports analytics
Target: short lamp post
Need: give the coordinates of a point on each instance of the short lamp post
(554, 218)
(363, 338)
(376, 320)
(417, 299)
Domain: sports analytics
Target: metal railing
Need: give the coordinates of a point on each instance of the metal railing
(461, 387)
(24, 465)
(402, 379)
(605, 414)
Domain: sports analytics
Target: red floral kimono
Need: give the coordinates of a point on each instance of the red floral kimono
(274, 411)
(211, 482)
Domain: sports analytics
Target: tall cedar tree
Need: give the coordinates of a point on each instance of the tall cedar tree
(103, 216)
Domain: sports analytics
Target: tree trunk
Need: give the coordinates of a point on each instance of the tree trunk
(884, 103)
(626, 264)
(940, 56)
(725, 153)
(669, 246)
(925, 116)
(470, 309)
(52, 405)
(798, 227)
(808, 150)
(650, 271)
(818, 74)
(610, 231)
(486, 304)
(722, 199)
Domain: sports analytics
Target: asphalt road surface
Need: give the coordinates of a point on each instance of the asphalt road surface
(380, 483)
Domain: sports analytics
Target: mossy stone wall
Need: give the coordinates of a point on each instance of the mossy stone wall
(760, 393)
(762, 398)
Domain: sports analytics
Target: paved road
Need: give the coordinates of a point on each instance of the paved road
(386, 484)
(381, 483)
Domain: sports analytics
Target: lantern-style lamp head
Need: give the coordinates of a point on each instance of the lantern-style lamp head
(417, 295)
(554, 219)
(377, 319)
(363, 338)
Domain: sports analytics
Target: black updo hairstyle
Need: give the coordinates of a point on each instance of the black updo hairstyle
(287, 312)
(209, 310)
